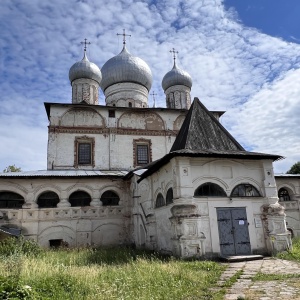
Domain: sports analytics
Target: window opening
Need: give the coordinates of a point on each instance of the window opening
(129, 104)
(142, 154)
(110, 198)
(160, 201)
(11, 200)
(210, 189)
(48, 200)
(169, 197)
(80, 198)
(283, 195)
(245, 190)
(84, 153)
(55, 243)
(111, 113)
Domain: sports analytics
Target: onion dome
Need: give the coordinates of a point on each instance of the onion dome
(176, 77)
(85, 69)
(126, 68)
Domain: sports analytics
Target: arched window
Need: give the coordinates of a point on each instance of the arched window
(11, 200)
(245, 190)
(80, 198)
(169, 197)
(160, 201)
(110, 198)
(48, 200)
(283, 195)
(209, 189)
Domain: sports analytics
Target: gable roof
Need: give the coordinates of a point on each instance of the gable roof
(202, 135)
(202, 131)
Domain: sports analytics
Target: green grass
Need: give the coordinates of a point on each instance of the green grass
(119, 273)
(294, 253)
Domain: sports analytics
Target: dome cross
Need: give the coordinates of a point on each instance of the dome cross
(124, 36)
(174, 54)
(85, 43)
(153, 95)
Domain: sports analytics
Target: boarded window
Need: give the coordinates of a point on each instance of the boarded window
(84, 153)
(80, 198)
(11, 200)
(110, 198)
(160, 201)
(48, 200)
(142, 154)
(245, 190)
(209, 189)
(169, 197)
(283, 195)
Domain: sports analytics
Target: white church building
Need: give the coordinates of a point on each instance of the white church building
(169, 179)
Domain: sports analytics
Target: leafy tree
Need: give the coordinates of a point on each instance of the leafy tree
(295, 169)
(12, 168)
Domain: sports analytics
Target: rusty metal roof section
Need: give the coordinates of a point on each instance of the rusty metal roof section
(202, 131)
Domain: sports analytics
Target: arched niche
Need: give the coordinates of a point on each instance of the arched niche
(11, 200)
(169, 196)
(160, 201)
(82, 117)
(141, 120)
(80, 198)
(209, 189)
(245, 190)
(283, 194)
(109, 198)
(47, 199)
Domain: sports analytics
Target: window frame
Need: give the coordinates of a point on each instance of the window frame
(80, 141)
(136, 144)
(112, 198)
(160, 201)
(284, 193)
(244, 185)
(210, 185)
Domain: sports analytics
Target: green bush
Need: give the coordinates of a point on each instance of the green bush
(10, 288)
(13, 246)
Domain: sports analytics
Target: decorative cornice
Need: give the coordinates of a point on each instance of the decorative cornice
(120, 131)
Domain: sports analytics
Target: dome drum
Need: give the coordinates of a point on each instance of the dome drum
(126, 94)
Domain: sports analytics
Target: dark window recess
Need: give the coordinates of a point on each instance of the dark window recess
(210, 189)
(129, 104)
(110, 198)
(245, 190)
(11, 200)
(169, 197)
(48, 200)
(283, 195)
(56, 243)
(84, 153)
(160, 201)
(80, 198)
(111, 113)
(142, 154)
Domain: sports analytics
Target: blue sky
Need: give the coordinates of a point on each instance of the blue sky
(243, 56)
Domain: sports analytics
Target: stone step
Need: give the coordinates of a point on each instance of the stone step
(238, 258)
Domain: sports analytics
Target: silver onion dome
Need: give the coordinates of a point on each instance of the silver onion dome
(176, 77)
(126, 68)
(85, 69)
